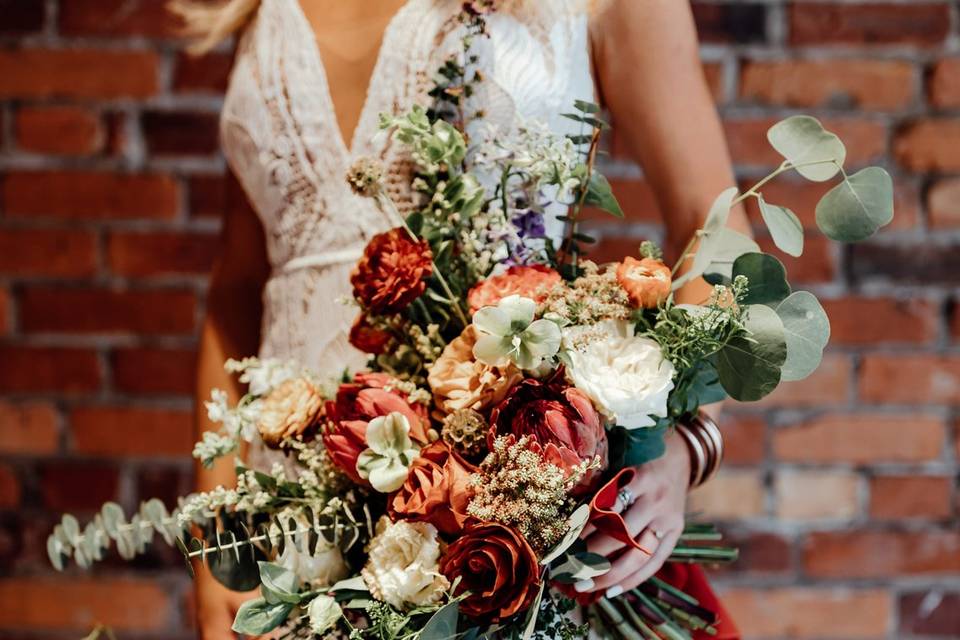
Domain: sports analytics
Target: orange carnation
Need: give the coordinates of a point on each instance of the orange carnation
(647, 281)
(528, 281)
(392, 273)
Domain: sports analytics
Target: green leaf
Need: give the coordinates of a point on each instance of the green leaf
(857, 207)
(257, 616)
(577, 521)
(586, 107)
(532, 613)
(600, 194)
(719, 251)
(443, 624)
(767, 276)
(415, 222)
(785, 228)
(719, 211)
(278, 584)
(807, 331)
(580, 566)
(749, 366)
(643, 445)
(802, 139)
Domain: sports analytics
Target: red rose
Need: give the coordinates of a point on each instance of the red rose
(368, 338)
(392, 272)
(528, 281)
(497, 566)
(369, 396)
(560, 417)
(436, 489)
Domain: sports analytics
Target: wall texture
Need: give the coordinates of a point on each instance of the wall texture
(842, 489)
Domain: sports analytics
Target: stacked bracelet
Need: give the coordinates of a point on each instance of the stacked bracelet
(703, 439)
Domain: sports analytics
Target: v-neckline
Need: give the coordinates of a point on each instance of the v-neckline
(348, 148)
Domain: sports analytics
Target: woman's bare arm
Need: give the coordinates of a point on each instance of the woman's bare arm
(650, 78)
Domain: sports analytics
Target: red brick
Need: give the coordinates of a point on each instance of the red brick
(801, 197)
(131, 431)
(28, 428)
(879, 554)
(943, 203)
(734, 495)
(610, 247)
(816, 265)
(866, 84)
(873, 23)
(90, 195)
(161, 253)
(207, 196)
(910, 379)
(898, 497)
(743, 438)
(929, 145)
(170, 133)
(202, 74)
(944, 84)
(148, 18)
(155, 371)
(122, 604)
(909, 260)
(38, 369)
(70, 485)
(9, 487)
(60, 310)
(60, 130)
(760, 553)
(48, 252)
(804, 495)
(828, 385)
(866, 140)
(727, 22)
(861, 439)
(806, 612)
(866, 321)
(934, 613)
(21, 17)
(77, 73)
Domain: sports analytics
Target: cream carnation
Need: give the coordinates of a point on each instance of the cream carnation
(402, 566)
(625, 376)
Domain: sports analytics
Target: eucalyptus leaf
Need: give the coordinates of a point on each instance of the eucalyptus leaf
(749, 367)
(600, 194)
(766, 275)
(807, 331)
(55, 552)
(443, 624)
(278, 583)
(785, 228)
(257, 616)
(532, 614)
(802, 139)
(576, 523)
(720, 211)
(355, 583)
(716, 255)
(854, 209)
(580, 566)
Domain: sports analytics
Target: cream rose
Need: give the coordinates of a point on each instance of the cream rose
(402, 566)
(321, 569)
(625, 376)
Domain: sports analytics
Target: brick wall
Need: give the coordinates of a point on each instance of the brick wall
(842, 489)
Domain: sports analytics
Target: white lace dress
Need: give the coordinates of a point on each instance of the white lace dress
(281, 139)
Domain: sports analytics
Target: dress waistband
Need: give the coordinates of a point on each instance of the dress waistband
(320, 260)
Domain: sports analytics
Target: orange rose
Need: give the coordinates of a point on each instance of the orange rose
(527, 281)
(436, 489)
(497, 566)
(647, 281)
(392, 273)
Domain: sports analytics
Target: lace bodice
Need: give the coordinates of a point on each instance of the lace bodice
(281, 139)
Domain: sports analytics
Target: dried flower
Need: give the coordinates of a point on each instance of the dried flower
(289, 410)
(593, 297)
(365, 177)
(465, 431)
(392, 272)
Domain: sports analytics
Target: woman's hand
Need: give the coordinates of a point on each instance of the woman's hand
(216, 607)
(660, 490)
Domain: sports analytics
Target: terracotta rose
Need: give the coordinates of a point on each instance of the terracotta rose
(392, 272)
(497, 566)
(528, 281)
(436, 489)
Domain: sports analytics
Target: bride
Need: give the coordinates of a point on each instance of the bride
(309, 81)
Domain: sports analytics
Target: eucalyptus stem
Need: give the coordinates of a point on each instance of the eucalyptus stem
(568, 243)
(386, 201)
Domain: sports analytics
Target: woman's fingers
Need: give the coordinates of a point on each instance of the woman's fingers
(649, 568)
(628, 563)
(637, 518)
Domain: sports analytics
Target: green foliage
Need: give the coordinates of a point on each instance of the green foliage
(815, 153)
(600, 194)
(856, 208)
(766, 276)
(442, 625)
(258, 616)
(749, 366)
(785, 228)
(806, 331)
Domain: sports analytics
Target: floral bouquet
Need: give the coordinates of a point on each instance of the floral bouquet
(512, 388)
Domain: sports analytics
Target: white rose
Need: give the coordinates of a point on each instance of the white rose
(323, 613)
(625, 376)
(403, 564)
